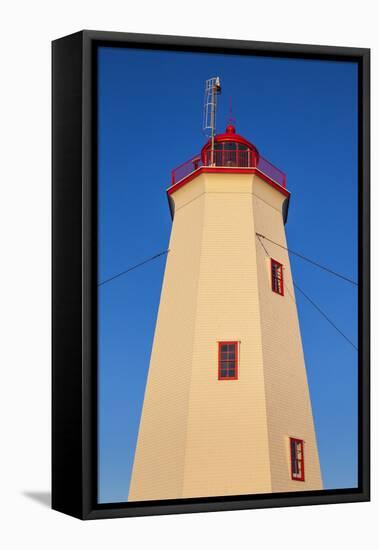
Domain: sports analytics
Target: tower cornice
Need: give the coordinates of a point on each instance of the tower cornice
(224, 170)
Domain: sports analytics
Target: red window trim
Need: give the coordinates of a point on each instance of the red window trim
(301, 461)
(281, 286)
(235, 377)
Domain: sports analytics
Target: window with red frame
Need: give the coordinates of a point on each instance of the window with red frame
(227, 360)
(277, 277)
(297, 459)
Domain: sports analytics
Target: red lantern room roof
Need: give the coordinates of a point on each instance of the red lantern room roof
(230, 136)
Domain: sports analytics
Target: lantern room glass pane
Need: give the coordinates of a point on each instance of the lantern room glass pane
(230, 146)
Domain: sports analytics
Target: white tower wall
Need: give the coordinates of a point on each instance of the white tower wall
(201, 436)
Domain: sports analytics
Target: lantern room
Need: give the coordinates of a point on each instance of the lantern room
(229, 150)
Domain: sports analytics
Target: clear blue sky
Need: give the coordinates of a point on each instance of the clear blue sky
(302, 116)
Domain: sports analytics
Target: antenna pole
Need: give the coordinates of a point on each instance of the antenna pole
(213, 123)
(232, 120)
(212, 89)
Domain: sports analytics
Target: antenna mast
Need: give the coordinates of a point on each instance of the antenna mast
(212, 90)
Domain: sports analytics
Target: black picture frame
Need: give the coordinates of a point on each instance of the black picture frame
(74, 272)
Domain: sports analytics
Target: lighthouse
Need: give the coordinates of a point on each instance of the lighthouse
(226, 409)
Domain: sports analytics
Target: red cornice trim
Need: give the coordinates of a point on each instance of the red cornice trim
(219, 170)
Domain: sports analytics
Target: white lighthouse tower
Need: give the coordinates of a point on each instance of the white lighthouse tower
(226, 408)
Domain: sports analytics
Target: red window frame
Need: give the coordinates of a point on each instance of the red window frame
(297, 459)
(277, 282)
(228, 361)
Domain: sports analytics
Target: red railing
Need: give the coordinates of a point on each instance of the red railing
(229, 159)
(271, 171)
(185, 169)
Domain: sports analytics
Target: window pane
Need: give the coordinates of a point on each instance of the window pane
(277, 277)
(227, 360)
(293, 456)
(230, 146)
(299, 451)
(296, 447)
